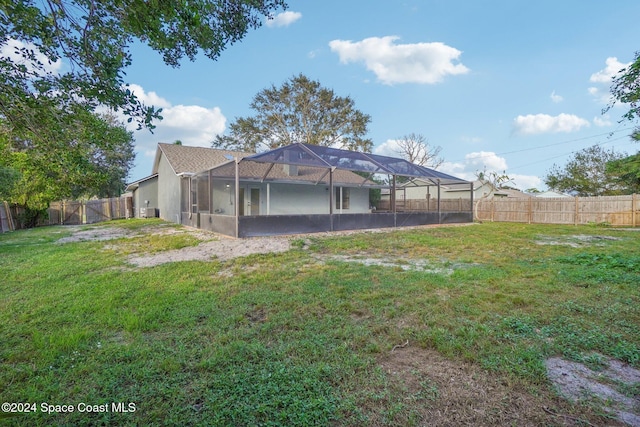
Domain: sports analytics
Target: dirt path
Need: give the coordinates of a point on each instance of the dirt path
(221, 250)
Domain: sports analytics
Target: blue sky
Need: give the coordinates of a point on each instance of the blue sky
(504, 85)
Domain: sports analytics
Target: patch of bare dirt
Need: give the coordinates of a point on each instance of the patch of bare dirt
(402, 264)
(222, 250)
(577, 382)
(453, 393)
(575, 241)
(94, 234)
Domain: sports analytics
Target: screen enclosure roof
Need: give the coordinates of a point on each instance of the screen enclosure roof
(318, 156)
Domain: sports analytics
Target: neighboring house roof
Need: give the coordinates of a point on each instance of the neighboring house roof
(550, 194)
(510, 193)
(189, 160)
(135, 184)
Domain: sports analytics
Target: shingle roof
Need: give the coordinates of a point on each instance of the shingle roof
(186, 159)
(263, 171)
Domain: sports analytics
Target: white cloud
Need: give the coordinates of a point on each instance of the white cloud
(613, 66)
(473, 163)
(556, 98)
(192, 124)
(601, 96)
(525, 182)
(9, 51)
(388, 148)
(425, 63)
(602, 121)
(471, 139)
(283, 19)
(149, 98)
(532, 124)
(490, 162)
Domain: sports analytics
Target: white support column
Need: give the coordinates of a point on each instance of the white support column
(268, 198)
(237, 196)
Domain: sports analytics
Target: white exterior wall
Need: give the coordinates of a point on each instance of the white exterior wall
(295, 199)
(421, 193)
(286, 199)
(147, 190)
(168, 192)
(223, 197)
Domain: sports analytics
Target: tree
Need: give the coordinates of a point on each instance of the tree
(585, 174)
(93, 39)
(94, 162)
(416, 149)
(62, 60)
(626, 89)
(497, 180)
(300, 110)
(626, 171)
(8, 179)
(111, 160)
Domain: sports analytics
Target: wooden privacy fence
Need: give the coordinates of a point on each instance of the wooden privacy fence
(427, 205)
(70, 212)
(613, 210)
(90, 211)
(6, 218)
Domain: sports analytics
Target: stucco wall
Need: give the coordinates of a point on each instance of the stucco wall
(285, 199)
(300, 199)
(147, 190)
(168, 192)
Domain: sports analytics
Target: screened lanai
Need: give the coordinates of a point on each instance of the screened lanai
(305, 188)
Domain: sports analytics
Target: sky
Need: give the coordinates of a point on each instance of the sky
(509, 86)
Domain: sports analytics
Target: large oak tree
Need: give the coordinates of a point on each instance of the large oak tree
(300, 110)
(585, 174)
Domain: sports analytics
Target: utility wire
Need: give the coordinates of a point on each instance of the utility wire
(555, 144)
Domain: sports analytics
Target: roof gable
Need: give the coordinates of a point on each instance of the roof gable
(185, 159)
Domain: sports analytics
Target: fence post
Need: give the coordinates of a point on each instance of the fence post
(492, 209)
(575, 215)
(530, 209)
(634, 207)
(109, 215)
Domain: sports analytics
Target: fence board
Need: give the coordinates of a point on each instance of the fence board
(70, 212)
(427, 205)
(613, 210)
(6, 220)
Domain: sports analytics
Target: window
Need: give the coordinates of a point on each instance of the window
(342, 198)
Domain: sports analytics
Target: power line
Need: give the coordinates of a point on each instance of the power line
(571, 152)
(555, 144)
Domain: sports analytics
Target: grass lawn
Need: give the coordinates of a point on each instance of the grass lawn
(446, 326)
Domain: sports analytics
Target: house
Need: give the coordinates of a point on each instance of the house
(550, 194)
(418, 189)
(173, 166)
(292, 189)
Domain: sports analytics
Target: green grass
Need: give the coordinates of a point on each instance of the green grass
(289, 340)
